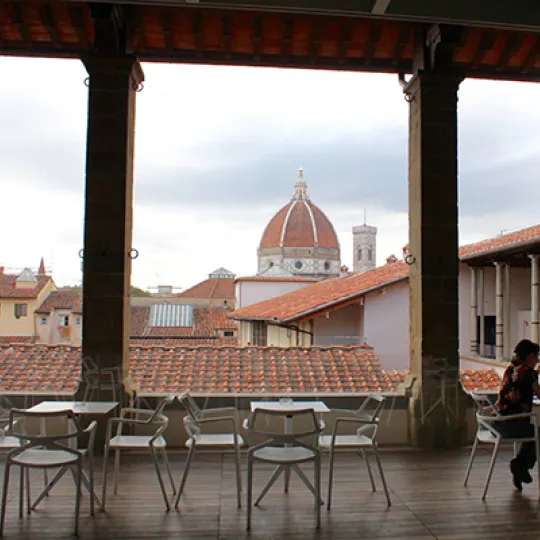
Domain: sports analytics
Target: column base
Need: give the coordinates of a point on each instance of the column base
(437, 419)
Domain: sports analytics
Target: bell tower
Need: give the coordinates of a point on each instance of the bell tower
(364, 248)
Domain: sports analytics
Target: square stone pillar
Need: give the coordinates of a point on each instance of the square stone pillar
(113, 81)
(438, 404)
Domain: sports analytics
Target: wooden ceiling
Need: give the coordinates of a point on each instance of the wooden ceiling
(191, 34)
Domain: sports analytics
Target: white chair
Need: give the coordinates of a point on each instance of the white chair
(487, 433)
(149, 420)
(96, 379)
(364, 439)
(194, 422)
(42, 452)
(286, 449)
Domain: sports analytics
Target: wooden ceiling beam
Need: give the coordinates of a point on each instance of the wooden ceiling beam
(287, 37)
(48, 20)
(487, 40)
(18, 20)
(226, 26)
(138, 28)
(167, 28)
(197, 26)
(345, 38)
(372, 41)
(77, 22)
(257, 38)
(513, 45)
(314, 42)
(531, 58)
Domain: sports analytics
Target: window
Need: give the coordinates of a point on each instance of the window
(21, 310)
(64, 320)
(369, 254)
(259, 335)
(43, 321)
(228, 333)
(327, 266)
(359, 255)
(78, 321)
(298, 265)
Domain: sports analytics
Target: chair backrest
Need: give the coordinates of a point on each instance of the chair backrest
(190, 405)
(26, 426)
(372, 405)
(483, 403)
(301, 423)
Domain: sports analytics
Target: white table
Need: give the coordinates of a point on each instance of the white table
(79, 408)
(285, 406)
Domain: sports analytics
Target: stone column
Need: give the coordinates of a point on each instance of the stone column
(499, 315)
(474, 311)
(481, 309)
(534, 298)
(507, 321)
(437, 406)
(109, 208)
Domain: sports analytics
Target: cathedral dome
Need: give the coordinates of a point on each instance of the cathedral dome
(300, 238)
(300, 223)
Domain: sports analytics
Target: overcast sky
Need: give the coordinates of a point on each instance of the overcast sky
(217, 154)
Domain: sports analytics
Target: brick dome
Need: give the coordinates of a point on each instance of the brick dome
(300, 223)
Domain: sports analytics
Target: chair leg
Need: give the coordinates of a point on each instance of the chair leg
(7, 469)
(78, 495)
(330, 477)
(160, 479)
(169, 471)
(28, 494)
(368, 467)
(317, 465)
(490, 470)
(471, 459)
(21, 493)
(191, 452)
(104, 475)
(249, 496)
(90, 458)
(383, 480)
(238, 477)
(116, 470)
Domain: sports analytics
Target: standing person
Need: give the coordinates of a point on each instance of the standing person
(519, 385)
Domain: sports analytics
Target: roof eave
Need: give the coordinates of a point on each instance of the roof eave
(500, 249)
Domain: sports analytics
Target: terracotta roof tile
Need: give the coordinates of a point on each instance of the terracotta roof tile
(70, 299)
(8, 340)
(211, 288)
(480, 379)
(323, 294)
(206, 320)
(56, 368)
(9, 289)
(139, 319)
(300, 223)
(500, 242)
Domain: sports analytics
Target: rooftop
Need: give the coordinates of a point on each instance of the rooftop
(218, 370)
(211, 288)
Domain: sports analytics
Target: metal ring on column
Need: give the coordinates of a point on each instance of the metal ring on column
(133, 254)
(409, 259)
(81, 253)
(137, 86)
(87, 82)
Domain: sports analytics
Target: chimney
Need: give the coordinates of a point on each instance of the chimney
(405, 250)
(392, 259)
(1, 269)
(344, 271)
(41, 271)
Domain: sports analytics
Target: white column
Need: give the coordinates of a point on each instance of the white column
(506, 316)
(499, 309)
(474, 312)
(481, 308)
(534, 298)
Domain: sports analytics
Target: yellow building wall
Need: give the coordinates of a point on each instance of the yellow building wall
(277, 335)
(24, 326)
(52, 333)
